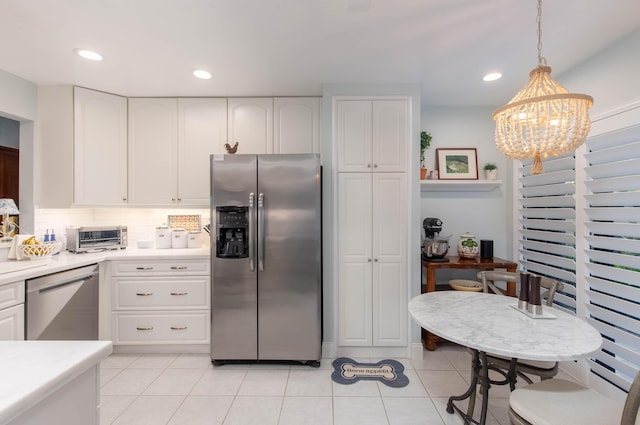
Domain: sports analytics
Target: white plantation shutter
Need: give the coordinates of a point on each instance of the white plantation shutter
(547, 240)
(613, 251)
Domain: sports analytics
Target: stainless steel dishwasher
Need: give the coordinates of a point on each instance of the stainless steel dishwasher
(64, 305)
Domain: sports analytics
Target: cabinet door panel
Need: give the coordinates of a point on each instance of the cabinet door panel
(353, 135)
(153, 149)
(12, 323)
(202, 131)
(389, 253)
(296, 123)
(355, 264)
(251, 124)
(390, 131)
(100, 148)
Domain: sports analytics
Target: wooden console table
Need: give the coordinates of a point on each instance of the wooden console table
(430, 340)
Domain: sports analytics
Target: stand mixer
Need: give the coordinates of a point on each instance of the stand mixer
(434, 246)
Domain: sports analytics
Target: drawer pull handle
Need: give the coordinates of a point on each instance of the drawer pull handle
(179, 293)
(142, 328)
(178, 328)
(179, 267)
(144, 268)
(144, 294)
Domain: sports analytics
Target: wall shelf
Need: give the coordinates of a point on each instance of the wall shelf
(459, 185)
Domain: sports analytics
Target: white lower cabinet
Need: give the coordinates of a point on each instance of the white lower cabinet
(160, 302)
(12, 311)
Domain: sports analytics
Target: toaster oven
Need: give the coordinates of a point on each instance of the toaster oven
(88, 239)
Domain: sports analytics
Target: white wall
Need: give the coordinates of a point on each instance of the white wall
(487, 215)
(19, 101)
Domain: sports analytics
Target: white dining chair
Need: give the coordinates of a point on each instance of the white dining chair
(561, 402)
(524, 368)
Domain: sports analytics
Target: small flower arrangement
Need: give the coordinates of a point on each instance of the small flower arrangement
(490, 166)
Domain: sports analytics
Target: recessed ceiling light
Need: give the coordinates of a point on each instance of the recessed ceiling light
(88, 54)
(492, 76)
(202, 74)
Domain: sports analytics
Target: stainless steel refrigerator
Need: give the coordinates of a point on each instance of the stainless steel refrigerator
(266, 258)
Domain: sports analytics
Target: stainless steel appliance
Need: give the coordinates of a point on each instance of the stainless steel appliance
(434, 246)
(64, 305)
(87, 239)
(266, 258)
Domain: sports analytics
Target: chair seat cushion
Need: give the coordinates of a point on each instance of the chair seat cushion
(561, 402)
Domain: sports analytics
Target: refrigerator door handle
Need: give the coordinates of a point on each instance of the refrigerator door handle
(252, 226)
(261, 244)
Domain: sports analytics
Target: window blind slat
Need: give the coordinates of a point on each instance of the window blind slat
(614, 244)
(614, 154)
(621, 290)
(548, 177)
(622, 321)
(559, 262)
(564, 238)
(612, 184)
(549, 201)
(559, 225)
(617, 199)
(613, 274)
(550, 248)
(551, 189)
(613, 259)
(612, 303)
(613, 169)
(630, 214)
(553, 213)
(631, 230)
(547, 270)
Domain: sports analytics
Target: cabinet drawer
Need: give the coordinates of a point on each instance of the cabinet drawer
(11, 294)
(12, 323)
(153, 328)
(156, 267)
(164, 293)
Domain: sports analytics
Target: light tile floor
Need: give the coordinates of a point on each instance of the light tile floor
(160, 389)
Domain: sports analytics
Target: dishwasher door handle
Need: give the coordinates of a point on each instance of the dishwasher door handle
(57, 285)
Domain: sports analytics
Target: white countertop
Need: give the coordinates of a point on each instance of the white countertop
(67, 260)
(487, 322)
(32, 370)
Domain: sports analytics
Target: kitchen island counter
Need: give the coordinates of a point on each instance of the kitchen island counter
(38, 378)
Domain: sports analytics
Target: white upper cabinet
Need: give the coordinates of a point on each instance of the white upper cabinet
(371, 135)
(202, 131)
(100, 148)
(250, 124)
(296, 125)
(153, 148)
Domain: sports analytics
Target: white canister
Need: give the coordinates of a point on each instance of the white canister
(179, 238)
(194, 240)
(163, 237)
(468, 246)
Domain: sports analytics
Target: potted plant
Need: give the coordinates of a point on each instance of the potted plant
(490, 171)
(425, 142)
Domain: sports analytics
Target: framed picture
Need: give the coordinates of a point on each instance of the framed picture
(457, 163)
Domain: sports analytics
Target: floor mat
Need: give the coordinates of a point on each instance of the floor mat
(347, 371)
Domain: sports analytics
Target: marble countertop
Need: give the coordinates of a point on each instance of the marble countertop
(32, 370)
(487, 322)
(67, 260)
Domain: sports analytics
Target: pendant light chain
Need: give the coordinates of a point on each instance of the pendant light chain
(541, 60)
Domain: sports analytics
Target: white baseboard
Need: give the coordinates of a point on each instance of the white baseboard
(162, 348)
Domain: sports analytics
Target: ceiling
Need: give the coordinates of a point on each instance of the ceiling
(293, 47)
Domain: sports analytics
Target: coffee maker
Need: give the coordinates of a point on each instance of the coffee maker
(434, 246)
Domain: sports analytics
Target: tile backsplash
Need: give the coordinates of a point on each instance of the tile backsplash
(140, 222)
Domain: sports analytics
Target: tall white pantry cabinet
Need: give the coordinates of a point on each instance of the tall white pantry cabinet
(372, 141)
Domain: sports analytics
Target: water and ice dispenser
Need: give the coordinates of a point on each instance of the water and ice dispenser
(232, 237)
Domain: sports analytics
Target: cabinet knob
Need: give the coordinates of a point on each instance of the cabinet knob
(369, 259)
(375, 165)
(124, 199)
(173, 199)
(179, 293)
(178, 328)
(375, 260)
(179, 199)
(144, 328)
(179, 267)
(144, 268)
(144, 294)
(368, 165)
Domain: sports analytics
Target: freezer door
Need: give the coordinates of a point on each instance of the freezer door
(234, 321)
(289, 250)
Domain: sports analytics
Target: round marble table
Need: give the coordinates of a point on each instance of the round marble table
(489, 323)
